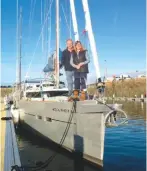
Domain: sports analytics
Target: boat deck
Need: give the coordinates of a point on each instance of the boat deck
(9, 148)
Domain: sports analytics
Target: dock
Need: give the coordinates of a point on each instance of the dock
(9, 147)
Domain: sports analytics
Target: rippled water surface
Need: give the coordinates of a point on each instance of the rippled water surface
(125, 146)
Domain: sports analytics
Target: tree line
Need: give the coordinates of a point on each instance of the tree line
(9, 86)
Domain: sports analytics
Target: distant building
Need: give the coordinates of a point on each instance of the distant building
(142, 76)
(125, 76)
(109, 79)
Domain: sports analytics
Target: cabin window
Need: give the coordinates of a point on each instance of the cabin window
(51, 85)
(48, 85)
(61, 82)
(58, 93)
(33, 94)
(29, 87)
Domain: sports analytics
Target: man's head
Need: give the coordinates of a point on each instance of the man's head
(69, 44)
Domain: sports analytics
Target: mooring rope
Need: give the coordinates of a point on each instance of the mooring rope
(49, 160)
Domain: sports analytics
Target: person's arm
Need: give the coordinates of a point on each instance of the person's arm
(71, 62)
(87, 59)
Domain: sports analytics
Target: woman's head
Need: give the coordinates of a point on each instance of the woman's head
(78, 46)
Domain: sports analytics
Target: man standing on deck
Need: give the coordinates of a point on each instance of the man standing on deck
(65, 61)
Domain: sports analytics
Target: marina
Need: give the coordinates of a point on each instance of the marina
(62, 111)
(66, 115)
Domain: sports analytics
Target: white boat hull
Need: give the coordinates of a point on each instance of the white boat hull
(87, 128)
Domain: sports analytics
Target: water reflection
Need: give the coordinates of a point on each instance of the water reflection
(124, 146)
(133, 109)
(142, 105)
(34, 149)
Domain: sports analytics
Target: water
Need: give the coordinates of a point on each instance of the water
(125, 146)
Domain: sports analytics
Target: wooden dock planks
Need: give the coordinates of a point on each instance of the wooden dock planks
(9, 148)
(3, 132)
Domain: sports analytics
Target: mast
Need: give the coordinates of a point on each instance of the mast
(49, 32)
(17, 45)
(91, 37)
(75, 26)
(41, 25)
(18, 42)
(57, 45)
(20, 39)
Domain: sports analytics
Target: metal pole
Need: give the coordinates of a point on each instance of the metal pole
(41, 25)
(75, 26)
(91, 37)
(16, 86)
(57, 44)
(20, 40)
(105, 69)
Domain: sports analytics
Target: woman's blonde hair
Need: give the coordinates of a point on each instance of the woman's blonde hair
(82, 48)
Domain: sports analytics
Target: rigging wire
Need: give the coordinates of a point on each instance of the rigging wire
(47, 23)
(44, 33)
(16, 40)
(70, 23)
(65, 19)
(32, 16)
(39, 38)
(50, 29)
(41, 24)
(32, 6)
(68, 11)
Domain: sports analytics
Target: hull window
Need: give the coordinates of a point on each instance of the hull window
(39, 117)
(48, 119)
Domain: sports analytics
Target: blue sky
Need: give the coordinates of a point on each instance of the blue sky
(118, 26)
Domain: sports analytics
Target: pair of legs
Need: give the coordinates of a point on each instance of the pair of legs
(69, 78)
(80, 79)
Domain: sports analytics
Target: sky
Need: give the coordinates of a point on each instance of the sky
(118, 27)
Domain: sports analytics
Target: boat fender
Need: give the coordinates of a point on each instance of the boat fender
(6, 118)
(83, 96)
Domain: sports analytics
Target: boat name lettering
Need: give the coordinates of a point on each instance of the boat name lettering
(61, 110)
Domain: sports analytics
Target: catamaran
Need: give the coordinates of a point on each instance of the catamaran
(45, 106)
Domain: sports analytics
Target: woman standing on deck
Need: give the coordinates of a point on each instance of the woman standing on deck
(79, 61)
